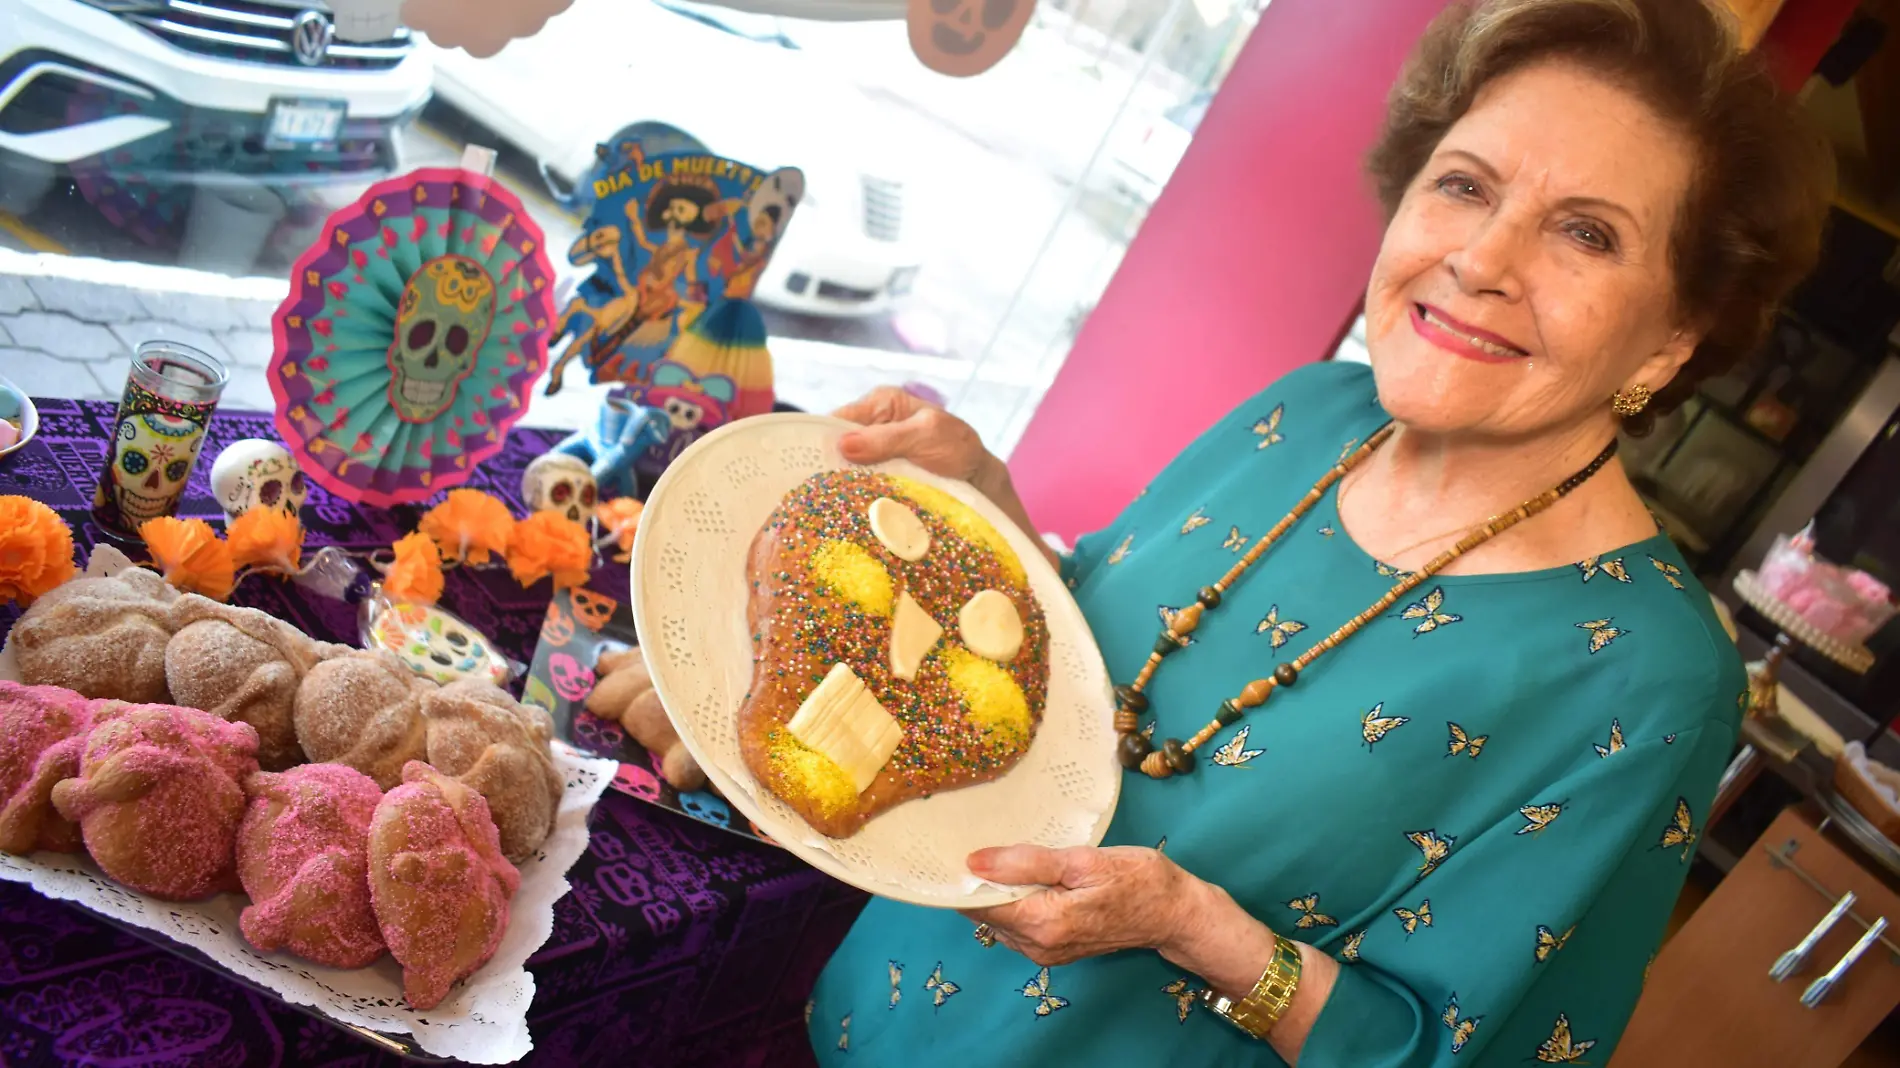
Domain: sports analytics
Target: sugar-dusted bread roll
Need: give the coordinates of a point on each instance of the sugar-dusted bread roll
(438, 882)
(488, 741)
(158, 799)
(303, 857)
(42, 731)
(243, 665)
(363, 709)
(103, 637)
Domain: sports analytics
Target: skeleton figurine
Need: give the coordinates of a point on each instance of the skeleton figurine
(448, 307)
(561, 483)
(254, 472)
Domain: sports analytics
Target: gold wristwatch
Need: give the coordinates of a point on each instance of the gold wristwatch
(1267, 1001)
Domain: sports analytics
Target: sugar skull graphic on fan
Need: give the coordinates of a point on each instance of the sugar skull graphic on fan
(413, 333)
(447, 310)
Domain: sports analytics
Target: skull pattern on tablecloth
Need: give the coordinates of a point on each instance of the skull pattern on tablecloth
(447, 310)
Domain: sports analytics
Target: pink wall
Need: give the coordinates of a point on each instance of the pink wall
(1250, 264)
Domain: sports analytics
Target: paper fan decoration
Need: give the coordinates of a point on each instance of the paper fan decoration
(669, 237)
(728, 342)
(412, 336)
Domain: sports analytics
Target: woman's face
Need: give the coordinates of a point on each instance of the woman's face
(1525, 277)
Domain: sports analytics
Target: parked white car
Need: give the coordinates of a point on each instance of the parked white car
(191, 93)
(739, 86)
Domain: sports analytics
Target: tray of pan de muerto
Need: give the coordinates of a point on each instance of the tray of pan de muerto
(480, 1019)
(871, 662)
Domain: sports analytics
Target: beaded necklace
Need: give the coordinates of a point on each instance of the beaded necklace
(1176, 756)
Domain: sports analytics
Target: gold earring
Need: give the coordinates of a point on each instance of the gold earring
(1631, 401)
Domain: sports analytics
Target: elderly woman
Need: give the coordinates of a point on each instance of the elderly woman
(1499, 703)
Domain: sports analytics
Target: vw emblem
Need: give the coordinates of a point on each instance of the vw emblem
(310, 37)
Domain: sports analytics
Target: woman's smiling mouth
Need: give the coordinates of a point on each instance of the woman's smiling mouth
(1462, 339)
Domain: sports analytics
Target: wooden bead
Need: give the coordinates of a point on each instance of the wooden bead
(1209, 597)
(1126, 721)
(1230, 713)
(1167, 643)
(1177, 755)
(1186, 620)
(1156, 766)
(1132, 749)
(1256, 693)
(1284, 674)
(1131, 699)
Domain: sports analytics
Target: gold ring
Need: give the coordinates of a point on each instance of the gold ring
(985, 935)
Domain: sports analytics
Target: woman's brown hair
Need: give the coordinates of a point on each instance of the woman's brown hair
(1750, 226)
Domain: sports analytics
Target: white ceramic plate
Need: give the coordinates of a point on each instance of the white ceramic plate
(689, 601)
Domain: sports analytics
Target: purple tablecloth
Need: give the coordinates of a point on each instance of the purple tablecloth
(680, 944)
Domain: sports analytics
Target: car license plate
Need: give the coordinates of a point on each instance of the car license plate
(304, 123)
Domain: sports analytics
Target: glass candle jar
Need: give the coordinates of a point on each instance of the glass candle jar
(169, 396)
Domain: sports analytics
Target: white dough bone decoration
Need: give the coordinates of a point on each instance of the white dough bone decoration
(913, 635)
(842, 720)
(899, 529)
(991, 626)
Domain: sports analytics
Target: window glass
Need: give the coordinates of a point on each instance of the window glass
(955, 233)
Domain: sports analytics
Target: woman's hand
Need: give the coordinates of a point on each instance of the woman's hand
(1098, 900)
(901, 426)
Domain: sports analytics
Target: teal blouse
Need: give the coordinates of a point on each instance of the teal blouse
(1483, 805)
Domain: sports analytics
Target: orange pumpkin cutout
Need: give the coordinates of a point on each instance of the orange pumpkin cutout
(558, 628)
(592, 610)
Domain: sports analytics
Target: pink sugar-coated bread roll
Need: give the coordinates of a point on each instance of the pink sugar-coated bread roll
(157, 797)
(438, 881)
(303, 857)
(42, 731)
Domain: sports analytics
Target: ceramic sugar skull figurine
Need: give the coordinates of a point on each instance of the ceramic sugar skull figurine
(255, 472)
(560, 483)
(447, 309)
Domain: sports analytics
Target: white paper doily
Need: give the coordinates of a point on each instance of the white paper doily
(484, 1018)
(689, 601)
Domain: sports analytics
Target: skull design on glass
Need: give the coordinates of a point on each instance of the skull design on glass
(560, 483)
(153, 457)
(253, 473)
(447, 310)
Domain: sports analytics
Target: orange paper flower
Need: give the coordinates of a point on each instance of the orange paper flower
(269, 538)
(469, 525)
(190, 555)
(549, 543)
(621, 516)
(36, 549)
(417, 573)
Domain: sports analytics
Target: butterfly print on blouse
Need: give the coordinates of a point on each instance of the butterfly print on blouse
(1613, 568)
(1268, 429)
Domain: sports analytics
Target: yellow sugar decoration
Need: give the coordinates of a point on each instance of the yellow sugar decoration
(967, 522)
(805, 772)
(991, 694)
(853, 573)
